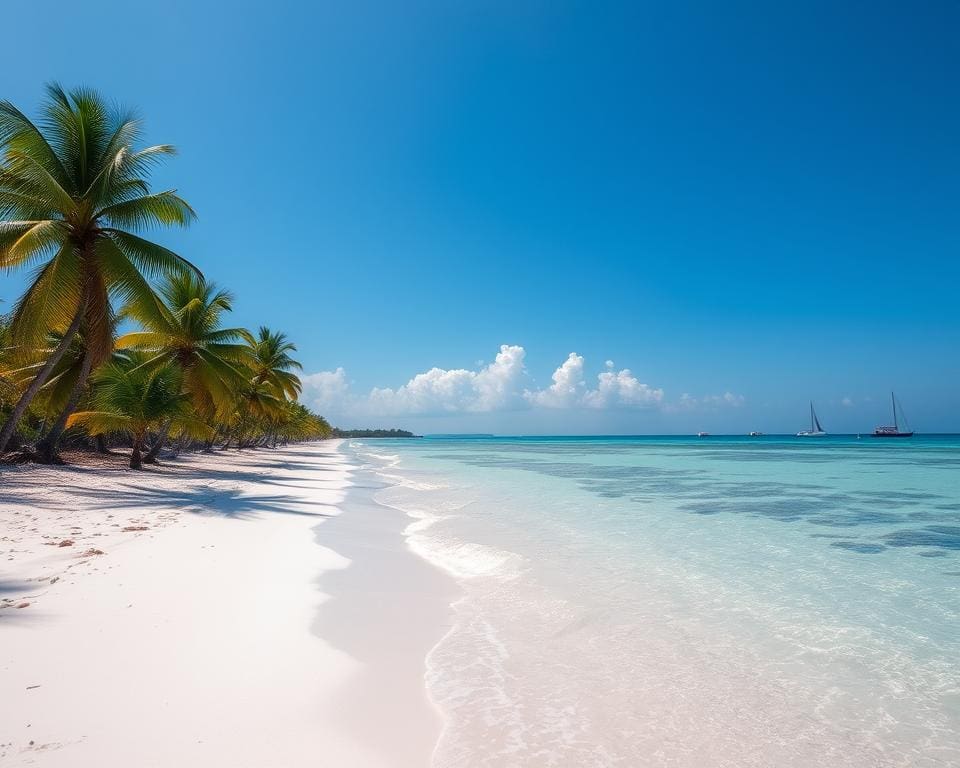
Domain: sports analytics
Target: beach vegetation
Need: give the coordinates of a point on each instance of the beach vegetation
(116, 336)
(133, 398)
(74, 200)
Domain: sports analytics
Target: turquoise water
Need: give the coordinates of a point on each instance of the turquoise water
(690, 602)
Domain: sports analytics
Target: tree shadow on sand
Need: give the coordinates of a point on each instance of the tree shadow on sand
(14, 592)
(228, 502)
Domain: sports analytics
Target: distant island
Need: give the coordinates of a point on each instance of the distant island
(372, 433)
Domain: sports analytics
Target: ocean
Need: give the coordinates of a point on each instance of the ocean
(664, 601)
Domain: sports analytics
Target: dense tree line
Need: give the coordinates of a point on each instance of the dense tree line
(372, 433)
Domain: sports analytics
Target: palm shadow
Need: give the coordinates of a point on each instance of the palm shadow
(227, 502)
(13, 592)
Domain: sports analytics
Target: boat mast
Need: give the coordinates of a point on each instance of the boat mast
(893, 402)
(812, 417)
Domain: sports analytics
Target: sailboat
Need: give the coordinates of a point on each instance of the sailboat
(815, 429)
(895, 430)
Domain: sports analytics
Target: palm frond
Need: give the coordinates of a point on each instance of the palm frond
(142, 340)
(23, 243)
(31, 175)
(125, 280)
(18, 131)
(50, 302)
(147, 211)
(148, 257)
(101, 422)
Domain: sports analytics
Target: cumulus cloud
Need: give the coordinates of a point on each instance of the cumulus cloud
(326, 391)
(614, 388)
(493, 387)
(499, 386)
(568, 387)
(621, 388)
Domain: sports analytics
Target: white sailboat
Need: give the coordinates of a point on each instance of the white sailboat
(815, 429)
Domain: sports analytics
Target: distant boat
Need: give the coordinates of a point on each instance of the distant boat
(703, 434)
(756, 434)
(895, 430)
(815, 429)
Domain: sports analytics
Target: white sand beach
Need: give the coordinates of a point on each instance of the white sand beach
(197, 618)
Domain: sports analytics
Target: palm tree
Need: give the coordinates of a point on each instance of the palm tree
(272, 383)
(73, 192)
(134, 398)
(185, 329)
(297, 422)
(272, 364)
(256, 404)
(53, 396)
(64, 387)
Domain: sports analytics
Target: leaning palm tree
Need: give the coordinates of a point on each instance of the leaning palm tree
(52, 397)
(185, 329)
(272, 364)
(133, 399)
(64, 388)
(73, 194)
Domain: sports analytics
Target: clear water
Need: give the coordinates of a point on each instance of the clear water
(683, 602)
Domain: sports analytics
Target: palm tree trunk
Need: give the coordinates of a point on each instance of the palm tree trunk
(41, 378)
(151, 457)
(136, 457)
(102, 446)
(47, 447)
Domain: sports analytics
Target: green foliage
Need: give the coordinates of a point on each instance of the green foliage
(75, 202)
(372, 433)
(132, 398)
(183, 327)
(8, 389)
(272, 364)
(74, 188)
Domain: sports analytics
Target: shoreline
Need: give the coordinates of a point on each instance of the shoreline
(388, 610)
(220, 611)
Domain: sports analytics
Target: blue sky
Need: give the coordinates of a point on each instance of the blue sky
(750, 204)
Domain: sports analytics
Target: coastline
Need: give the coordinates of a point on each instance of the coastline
(231, 618)
(387, 610)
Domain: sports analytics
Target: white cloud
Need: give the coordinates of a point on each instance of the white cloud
(847, 402)
(614, 388)
(726, 399)
(326, 391)
(568, 387)
(621, 388)
(498, 386)
(494, 387)
(688, 402)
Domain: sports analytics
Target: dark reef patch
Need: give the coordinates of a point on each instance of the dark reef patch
(942, 536)
(859, 546)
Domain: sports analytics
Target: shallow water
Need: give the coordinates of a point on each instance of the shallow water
(681, 602)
